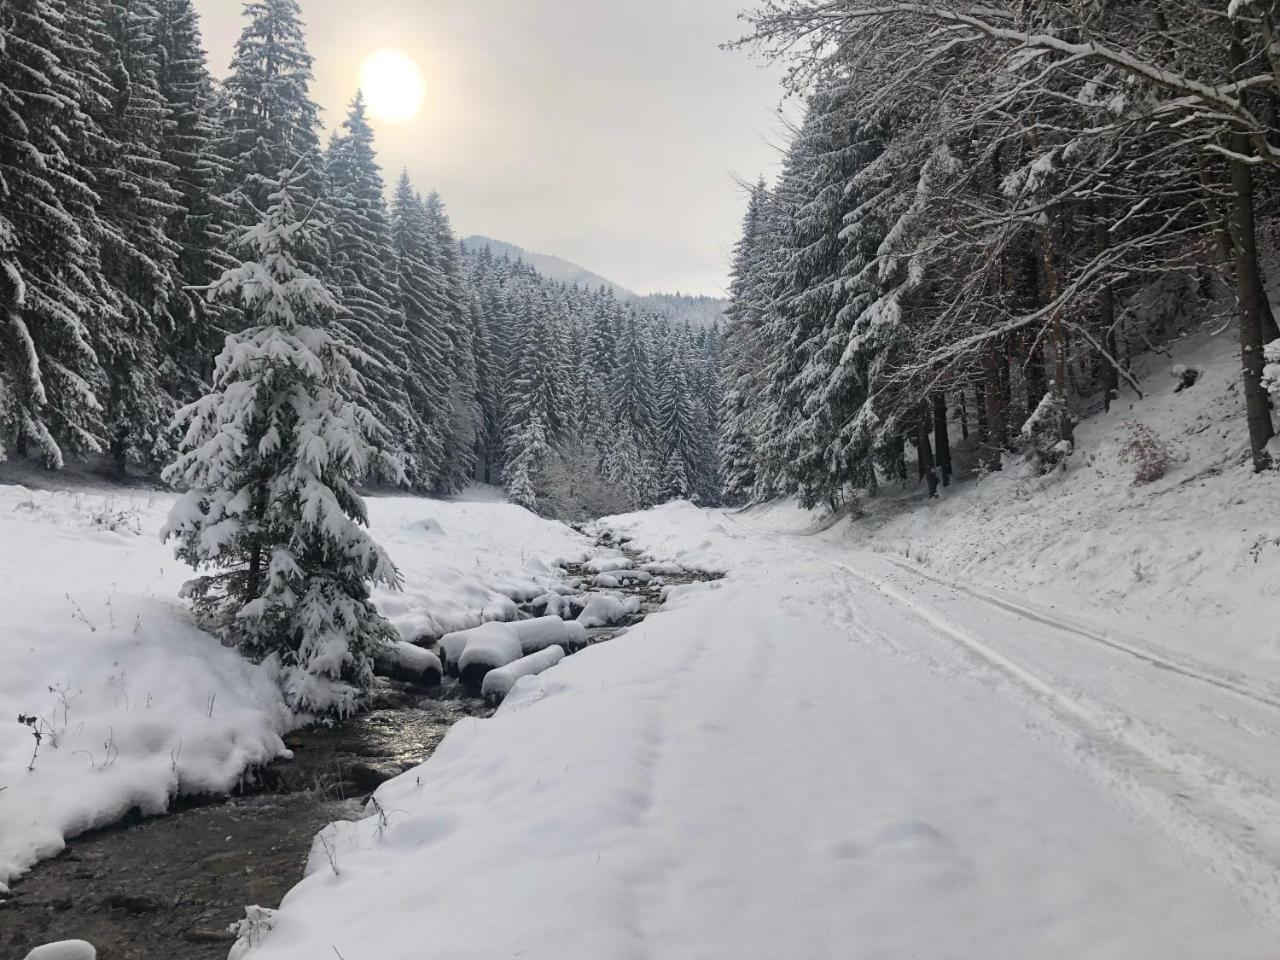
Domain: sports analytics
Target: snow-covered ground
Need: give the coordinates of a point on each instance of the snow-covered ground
(1191, 560)
(133, 703)
(826, 754)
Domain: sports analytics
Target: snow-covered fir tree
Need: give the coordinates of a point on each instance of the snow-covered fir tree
(270, 461)
(364, 279)
(50, 377)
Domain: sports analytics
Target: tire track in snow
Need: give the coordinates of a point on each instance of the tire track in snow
(1213, 810)
(1200, 673)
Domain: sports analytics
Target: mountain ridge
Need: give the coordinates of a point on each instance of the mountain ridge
(698, 310)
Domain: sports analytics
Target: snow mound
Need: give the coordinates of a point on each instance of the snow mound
(64, 950)
(404, 661)
(605, 564)
(498, 683)
(132, 703)
(605, 610)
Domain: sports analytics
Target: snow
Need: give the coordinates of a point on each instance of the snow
(823, 750)
(155, 707)
(64, 950)
(491, 645)
(604, 610)
(465, 561)
(543, 632)
(409, 662)
(607, 563)
(133, 703)
(498, 683)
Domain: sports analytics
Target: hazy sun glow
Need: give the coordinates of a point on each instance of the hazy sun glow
(393, 86)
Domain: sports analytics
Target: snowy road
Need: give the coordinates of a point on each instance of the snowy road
(825, 755)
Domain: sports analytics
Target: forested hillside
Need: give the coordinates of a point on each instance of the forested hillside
(128, 178)
(985, 215)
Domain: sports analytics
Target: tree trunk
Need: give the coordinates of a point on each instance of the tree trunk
(941, 438)
(1067, 423)
(924, 452)
(963, 405)
(1037, 382)
(996, 436)
(1254, 310)
(253, 585)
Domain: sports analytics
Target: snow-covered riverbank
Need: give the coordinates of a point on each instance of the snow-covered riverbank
(133, 704)
(824, 752)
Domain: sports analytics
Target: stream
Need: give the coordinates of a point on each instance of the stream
(171, 886)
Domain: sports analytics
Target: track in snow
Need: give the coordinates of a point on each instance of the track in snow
(1125, 711)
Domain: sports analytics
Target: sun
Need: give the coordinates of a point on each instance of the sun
(393, 86)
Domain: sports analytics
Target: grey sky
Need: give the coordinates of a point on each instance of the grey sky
(608, 132)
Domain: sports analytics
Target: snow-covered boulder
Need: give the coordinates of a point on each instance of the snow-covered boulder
(633, 576)
(405, 661)
(543, 632)
(488, 647)
(453, 644)
(607, 580)
(64, 950)
(604, 610)
(498, 683)
(605, 564)
(663, 569)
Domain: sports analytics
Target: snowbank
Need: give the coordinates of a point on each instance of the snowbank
(132, 703)
(467, 561)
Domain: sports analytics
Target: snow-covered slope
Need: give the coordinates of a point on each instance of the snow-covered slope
(133, 703)
(1191, 560)
(823, 755)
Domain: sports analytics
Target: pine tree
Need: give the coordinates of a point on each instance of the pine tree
(362, 268)
(199, 225)
(48, 223)
(270, 122)
(138, 273)
(462, 423)
(270, 460)
(427, 343)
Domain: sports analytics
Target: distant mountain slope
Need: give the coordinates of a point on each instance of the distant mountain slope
(698, 311)
(553, 268)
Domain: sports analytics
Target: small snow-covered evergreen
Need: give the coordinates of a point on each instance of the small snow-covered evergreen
(270, 461)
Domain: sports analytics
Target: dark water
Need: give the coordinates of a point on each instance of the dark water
(169, 887)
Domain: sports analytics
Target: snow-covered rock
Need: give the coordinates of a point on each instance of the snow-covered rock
(605, 610)
(606, 581)
(405, 661)
(64, 950)
(661, 568)
(498, 683)
(543, 632)
(488, 646)
(604, 564)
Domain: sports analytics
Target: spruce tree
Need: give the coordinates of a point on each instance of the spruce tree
(199, 225)
(427, 343)
(271, 122)
(49, 371)
(362, 271)
(138, 274)
(270, 461)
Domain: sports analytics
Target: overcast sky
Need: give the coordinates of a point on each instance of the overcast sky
(608, 132)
